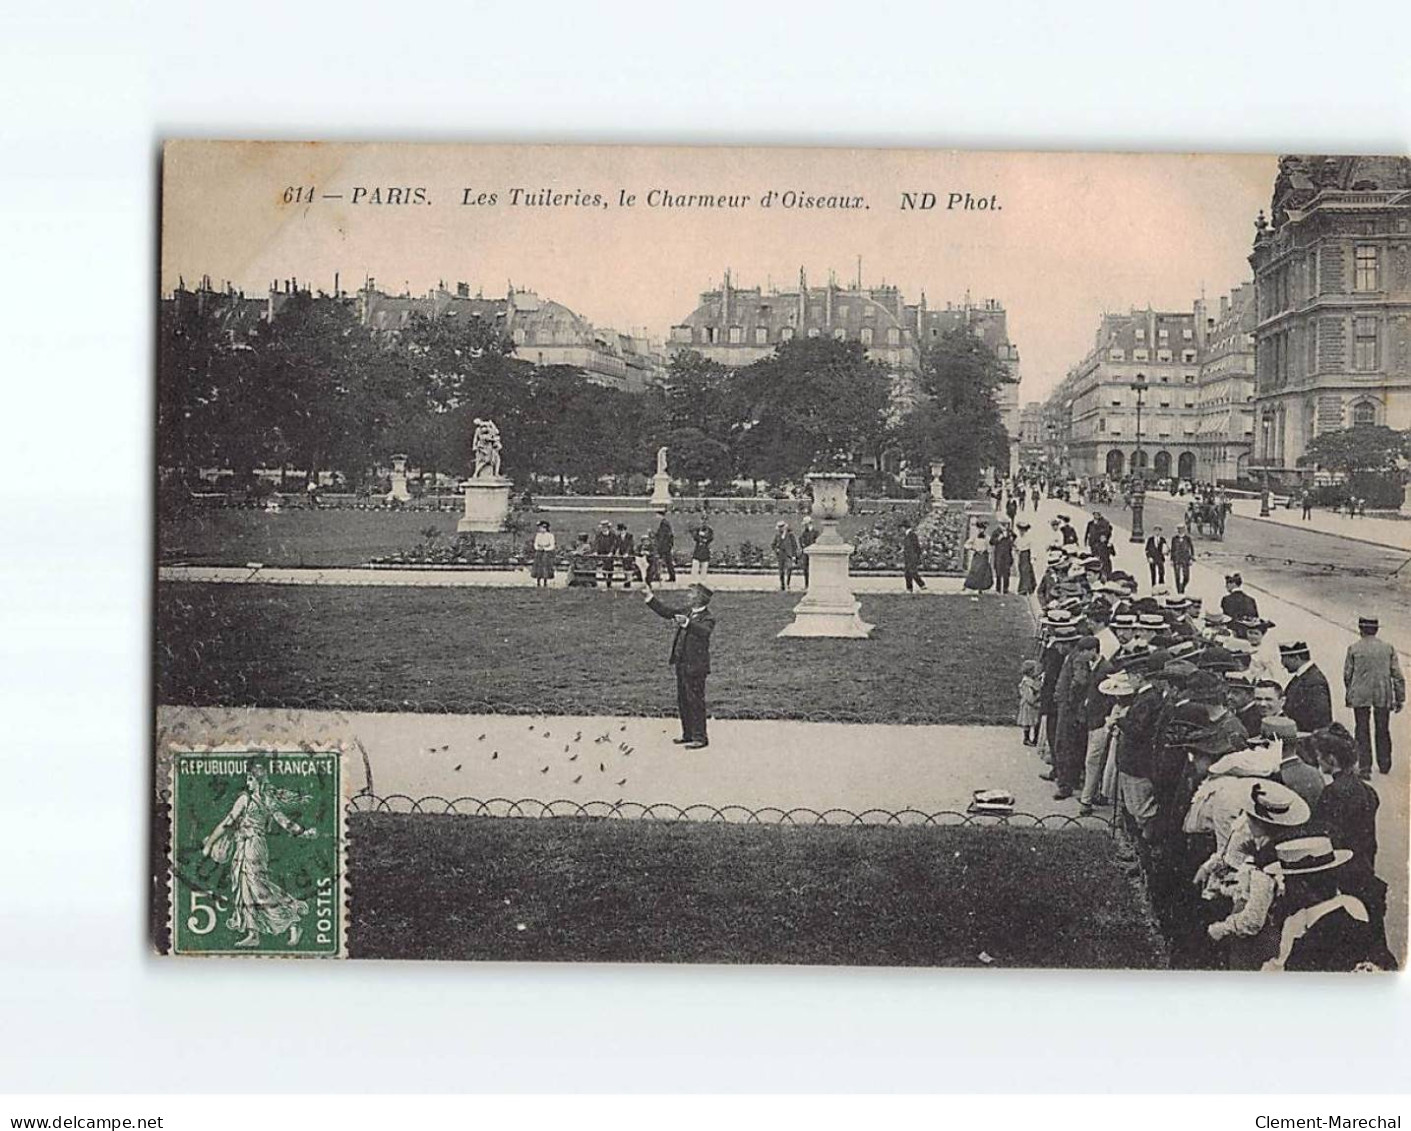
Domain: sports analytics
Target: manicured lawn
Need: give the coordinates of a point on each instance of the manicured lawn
(293, 537)
(565, 889)
(299, 537)
(931, 659)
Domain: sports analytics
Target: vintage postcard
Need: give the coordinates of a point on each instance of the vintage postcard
(782, 556)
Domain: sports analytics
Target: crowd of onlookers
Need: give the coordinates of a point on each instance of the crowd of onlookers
(1213, 745)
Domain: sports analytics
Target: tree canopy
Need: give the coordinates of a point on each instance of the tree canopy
(316, 390)
(957, 418)
(1365, 447)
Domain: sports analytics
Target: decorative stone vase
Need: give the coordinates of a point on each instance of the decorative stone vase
(829, 608)
(399, 492)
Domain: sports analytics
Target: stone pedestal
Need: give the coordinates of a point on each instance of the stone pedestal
(661, 489)
(487, 505)
(399, 492)
(829, 609)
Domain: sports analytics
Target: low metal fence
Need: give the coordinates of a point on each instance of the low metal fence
(533, 808)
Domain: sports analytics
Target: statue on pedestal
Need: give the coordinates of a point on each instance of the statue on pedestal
(486, 448)
(661, 460)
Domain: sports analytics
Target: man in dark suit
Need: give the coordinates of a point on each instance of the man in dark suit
(911, 557)
(1156, 556)
(690, 656)
(665, 543)
(1237, 604)
(1308, 700)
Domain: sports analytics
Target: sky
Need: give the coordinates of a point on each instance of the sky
(1065, 236)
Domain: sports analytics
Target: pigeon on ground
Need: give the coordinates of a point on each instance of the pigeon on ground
(458, 766)
(545, 770)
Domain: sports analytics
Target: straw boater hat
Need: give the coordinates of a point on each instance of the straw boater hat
(1119, 685)
(1293, 649)
(1021, 525)
(1151, 620)
(1215, 619)
(1306, 854)
(1276, 804)
(1124, 620)
(1366, 623)
(1064, 632)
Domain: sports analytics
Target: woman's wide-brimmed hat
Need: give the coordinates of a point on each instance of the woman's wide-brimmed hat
(1306, 854)
(1276, 804)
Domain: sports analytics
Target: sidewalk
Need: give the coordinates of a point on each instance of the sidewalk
(1393, 533)
(510, 579)
(770, 764)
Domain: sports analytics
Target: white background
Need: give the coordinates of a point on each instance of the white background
(87, 96)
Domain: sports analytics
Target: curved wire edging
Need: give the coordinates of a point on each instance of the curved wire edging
(533, 808)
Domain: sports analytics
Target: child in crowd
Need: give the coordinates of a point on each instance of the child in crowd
(1029, 702)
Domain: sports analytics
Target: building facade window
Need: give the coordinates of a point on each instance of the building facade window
(893, 336)
(737, 335)
(1364, 343)
(839, 334)
(786, 334)
(1364, 414)
(1139, 355)
(867, 335)
(1366, 269)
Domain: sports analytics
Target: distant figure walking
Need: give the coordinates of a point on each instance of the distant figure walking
(664, 540)
(786, 553)
(703, 536)
(807, 537)
(980, 577)
(1307, 505)
(1156, 556)
(1376, 690)
(1024, 545)
(911, 557)
(1002, 556)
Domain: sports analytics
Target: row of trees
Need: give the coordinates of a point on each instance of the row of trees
(316, 390)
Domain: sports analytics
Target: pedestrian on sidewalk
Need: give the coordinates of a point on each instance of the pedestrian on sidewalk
(911, 557)
(1182, 554)
(544, 548)
(786, 552)
(1024, 545)
(980, 577)
(1156, 556)
(690, 656)
(702, 536)
(1307, 504)
(1376, 690)
(1002, 556)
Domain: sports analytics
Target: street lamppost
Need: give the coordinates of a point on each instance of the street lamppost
(1138, 387)
(1264, 423)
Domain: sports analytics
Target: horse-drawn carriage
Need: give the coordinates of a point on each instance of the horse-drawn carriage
(1206, 518)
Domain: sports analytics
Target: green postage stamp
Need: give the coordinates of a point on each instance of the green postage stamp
(257, 852)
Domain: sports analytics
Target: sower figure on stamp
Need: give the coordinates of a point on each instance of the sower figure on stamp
(690, 656)
(259, 906)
